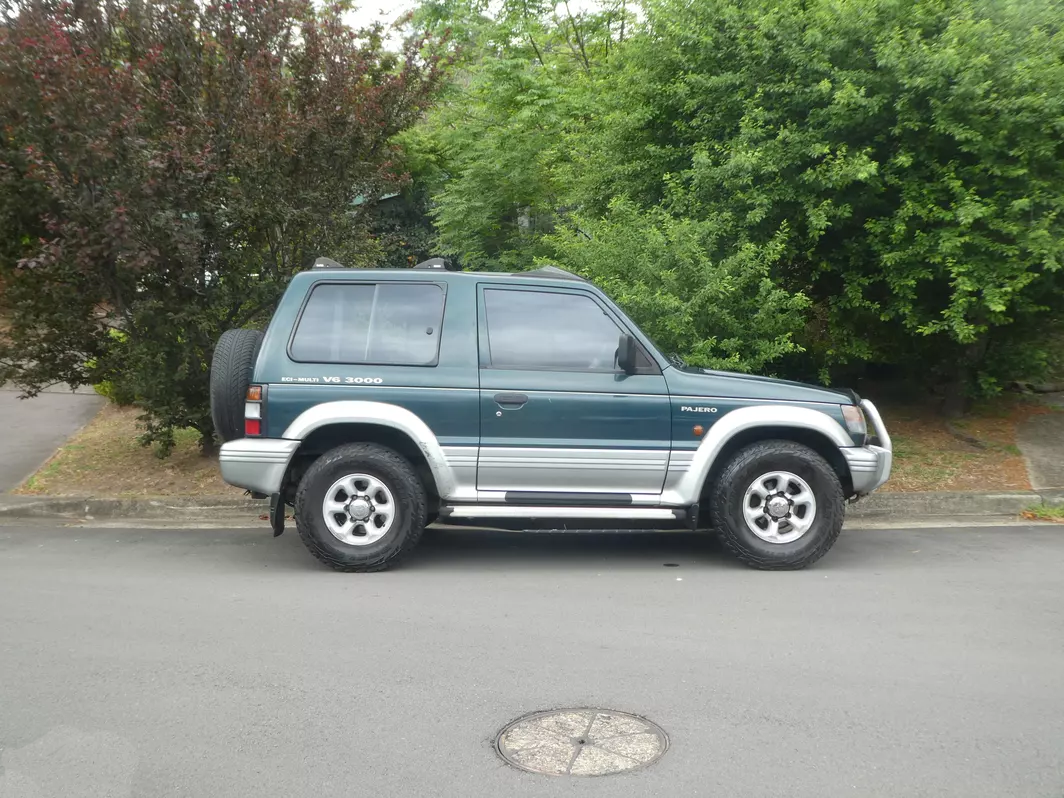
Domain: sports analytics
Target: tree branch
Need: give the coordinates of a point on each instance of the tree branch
(579, 38)
(539, 55)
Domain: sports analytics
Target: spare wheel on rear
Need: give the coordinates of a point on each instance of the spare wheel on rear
(234, 358)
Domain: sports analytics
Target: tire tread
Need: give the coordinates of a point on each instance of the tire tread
(833, 511)
(416, 506)
(234, 354)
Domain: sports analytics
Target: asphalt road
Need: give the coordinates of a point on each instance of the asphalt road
(32, 429)
(225, 663)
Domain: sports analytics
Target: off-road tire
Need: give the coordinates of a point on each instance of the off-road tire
(406, 488)
(727, 495)
(234, 357)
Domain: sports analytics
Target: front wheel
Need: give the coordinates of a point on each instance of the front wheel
(360, 507)
(777, 505)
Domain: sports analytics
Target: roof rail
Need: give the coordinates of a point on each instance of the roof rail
(553, 272)
(435, 264)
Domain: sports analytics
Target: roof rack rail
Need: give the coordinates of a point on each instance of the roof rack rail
(327, 263)
(435, 264)
(554, 272)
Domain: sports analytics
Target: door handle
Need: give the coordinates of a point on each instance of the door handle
(511, 400)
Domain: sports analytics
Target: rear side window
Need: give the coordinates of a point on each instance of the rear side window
(394, 324)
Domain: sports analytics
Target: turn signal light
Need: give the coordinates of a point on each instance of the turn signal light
(254, 393)
(855, 420)
(252, 426)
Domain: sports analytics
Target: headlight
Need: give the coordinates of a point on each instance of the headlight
(855, 422)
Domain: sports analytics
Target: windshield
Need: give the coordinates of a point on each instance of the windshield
(673, 358)
(676, 360)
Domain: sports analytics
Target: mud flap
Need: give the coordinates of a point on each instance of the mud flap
(277, 514)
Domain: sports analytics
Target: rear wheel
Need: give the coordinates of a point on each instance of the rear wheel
(234, 358)
(778, 505)
(360, 507)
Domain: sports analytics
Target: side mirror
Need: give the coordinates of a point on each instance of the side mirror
(627, 349)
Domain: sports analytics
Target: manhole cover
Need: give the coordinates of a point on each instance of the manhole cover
(581, 742)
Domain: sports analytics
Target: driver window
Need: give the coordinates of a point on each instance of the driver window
(548, 331)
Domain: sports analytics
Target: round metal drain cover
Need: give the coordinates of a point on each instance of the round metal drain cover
(581, 742)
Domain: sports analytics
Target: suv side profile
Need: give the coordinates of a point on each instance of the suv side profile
(380, 401)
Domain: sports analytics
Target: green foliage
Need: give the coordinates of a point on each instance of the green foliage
(402, 229)
(905, 155)
(490, 148)
(166, 167)
(102, 383)
(725, 314)
(900, 163)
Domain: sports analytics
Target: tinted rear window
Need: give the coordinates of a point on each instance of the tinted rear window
(387, 323)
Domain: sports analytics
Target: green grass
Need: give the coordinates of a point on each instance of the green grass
(1045, 512)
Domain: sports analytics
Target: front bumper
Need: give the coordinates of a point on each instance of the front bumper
(870, 465)
(258, 464)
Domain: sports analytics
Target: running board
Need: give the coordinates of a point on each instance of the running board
(569, 517)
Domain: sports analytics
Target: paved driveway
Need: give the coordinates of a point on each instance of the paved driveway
(224, 663)
(32, 429)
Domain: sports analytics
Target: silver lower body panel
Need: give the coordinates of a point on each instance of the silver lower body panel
(256, 464)
(869, 467)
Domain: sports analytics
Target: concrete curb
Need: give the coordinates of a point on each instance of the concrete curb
(205, 508)
(943, 504)
(213, 509)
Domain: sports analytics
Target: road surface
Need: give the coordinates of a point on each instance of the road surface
(225, 663)
(34, 428)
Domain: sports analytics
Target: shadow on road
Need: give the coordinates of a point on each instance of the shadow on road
(468, 550)
(568, 551)
(475, 550)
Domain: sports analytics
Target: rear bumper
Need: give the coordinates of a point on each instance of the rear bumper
(257, 464)
(870, 465)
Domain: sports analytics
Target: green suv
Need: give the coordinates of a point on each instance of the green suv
(378, 402)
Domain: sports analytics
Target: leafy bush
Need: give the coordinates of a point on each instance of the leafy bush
(165, 168)
(898, 163)
(725, 314)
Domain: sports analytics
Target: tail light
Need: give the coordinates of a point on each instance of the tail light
(253, 411)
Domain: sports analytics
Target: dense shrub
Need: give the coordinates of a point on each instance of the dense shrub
(165, 167)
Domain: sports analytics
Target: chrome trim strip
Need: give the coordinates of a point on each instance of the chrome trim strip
(364, 387)
(499, 496)
(754, 399)
(514, 511)
(570, 462)
(693, 397)
(384, 385)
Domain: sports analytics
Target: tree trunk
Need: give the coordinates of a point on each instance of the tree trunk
(958, 390)
(208, 443)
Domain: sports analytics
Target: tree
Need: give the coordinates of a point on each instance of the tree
(722, 314)
(899, 163)
(490, 147)
(174, 163)
(906, 156)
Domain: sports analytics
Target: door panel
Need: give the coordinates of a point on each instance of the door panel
(572, 431)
